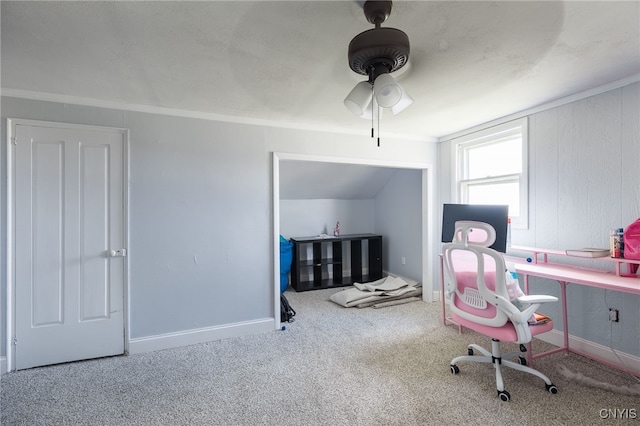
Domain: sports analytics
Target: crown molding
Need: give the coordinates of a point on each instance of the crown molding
(546, 106)
(99, 103)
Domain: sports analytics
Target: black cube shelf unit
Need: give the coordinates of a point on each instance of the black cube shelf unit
(322, 271)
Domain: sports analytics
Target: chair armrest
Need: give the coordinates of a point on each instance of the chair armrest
(518, 316)
(537, 298)
(534, 301)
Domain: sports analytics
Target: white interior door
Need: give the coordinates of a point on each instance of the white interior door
(69, 244)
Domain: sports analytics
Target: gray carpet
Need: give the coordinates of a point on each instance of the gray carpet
(332, 366)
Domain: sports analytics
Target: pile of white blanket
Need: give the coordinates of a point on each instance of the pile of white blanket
(375, 292)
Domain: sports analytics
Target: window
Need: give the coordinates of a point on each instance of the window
(491, 168)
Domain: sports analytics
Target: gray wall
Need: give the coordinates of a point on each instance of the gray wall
(200, 224)
(201, 221)
(305, 218)
(583, 181)
(399, 219)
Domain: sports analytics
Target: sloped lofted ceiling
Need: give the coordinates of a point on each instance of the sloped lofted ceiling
(285, 63)
(322, 180)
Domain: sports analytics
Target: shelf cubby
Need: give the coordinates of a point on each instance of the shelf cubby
(326, 262)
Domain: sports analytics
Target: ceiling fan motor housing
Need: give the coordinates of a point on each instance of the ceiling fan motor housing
(384, 49)
(378, 50)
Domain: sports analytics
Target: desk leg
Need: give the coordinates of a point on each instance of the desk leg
(442, 301)
(565, 321)
(525, 281)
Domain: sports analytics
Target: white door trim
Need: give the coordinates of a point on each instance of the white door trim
(427, 213)
(10, 248)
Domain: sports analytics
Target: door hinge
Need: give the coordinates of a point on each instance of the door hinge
(14, 140)
(15, 340)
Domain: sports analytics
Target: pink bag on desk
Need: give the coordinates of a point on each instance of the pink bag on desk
(632, 241)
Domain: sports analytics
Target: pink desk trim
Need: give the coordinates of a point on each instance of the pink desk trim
(566, 274)
(542, 256)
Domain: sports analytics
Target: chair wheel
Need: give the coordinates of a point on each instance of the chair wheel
(504, 395)
(470, 351)
(522, 360)
(454, 369)
(552, 388)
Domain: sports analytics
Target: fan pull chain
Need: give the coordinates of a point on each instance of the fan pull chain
(378, 125)
(372, 95)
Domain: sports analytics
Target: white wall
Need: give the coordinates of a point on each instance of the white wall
(583, 181)
(201, 224)
(306, 218)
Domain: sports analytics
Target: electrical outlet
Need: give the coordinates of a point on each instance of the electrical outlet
(614, 315)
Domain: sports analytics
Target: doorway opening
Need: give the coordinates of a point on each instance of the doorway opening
(426, 212)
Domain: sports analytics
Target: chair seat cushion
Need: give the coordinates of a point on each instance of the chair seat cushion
(506, 333)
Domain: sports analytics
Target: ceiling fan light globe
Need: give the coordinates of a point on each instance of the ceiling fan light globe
(359, 98)
(372, 112)
(405, 101)
(388, 93)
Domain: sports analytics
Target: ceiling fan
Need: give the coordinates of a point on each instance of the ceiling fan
(377, 53)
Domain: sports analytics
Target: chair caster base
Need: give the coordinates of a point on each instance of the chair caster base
(504, 396)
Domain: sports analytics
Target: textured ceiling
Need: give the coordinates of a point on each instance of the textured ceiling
(284, 63)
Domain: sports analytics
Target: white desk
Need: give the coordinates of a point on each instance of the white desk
(565, 274)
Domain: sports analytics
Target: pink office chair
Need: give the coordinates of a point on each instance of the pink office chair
(476, 290)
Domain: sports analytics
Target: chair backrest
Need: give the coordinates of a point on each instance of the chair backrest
(475, 274)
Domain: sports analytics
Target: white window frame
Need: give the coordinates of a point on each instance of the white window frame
(492, 135)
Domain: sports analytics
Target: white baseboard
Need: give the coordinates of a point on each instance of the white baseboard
(436, 296)
(3, 365)
(600, 352)
(201, 335)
